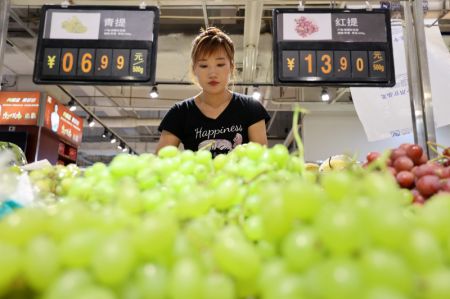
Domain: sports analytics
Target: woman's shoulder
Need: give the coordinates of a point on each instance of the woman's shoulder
(245, 100)
(184, 105)
(242, 98)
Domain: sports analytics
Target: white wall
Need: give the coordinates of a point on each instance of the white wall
(325, 135)
(443, 136)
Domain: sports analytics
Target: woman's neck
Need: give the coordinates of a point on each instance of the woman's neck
(215, 100)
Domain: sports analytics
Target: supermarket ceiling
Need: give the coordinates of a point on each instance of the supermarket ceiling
(130, 112)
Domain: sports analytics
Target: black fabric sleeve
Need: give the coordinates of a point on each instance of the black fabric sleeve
(256, 112)
(173, 121)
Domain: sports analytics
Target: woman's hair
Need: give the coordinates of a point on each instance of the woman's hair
(209, 41)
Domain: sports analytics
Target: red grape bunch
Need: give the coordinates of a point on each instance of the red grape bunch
(412, 170)
(305, 27)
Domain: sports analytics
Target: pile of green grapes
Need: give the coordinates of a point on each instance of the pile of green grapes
(251, 224)
(50, 183)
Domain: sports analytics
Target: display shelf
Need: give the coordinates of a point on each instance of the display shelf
(67, 152)
(48, 130)
(66, 158)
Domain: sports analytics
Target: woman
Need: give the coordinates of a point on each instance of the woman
(215, 119)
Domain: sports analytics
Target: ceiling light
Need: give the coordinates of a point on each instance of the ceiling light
(256, 95)
(324, 95)
(91, 121)
(72, 105)
(105, 133)
(154, 92)
(113, 139)
(120, 146)
(124, 149)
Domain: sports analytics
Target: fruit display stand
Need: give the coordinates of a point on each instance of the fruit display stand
(255, 223)
(251, 224)
(52, 131)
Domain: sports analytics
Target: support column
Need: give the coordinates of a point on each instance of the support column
(252, 27)
(4, 20)
(418, 75)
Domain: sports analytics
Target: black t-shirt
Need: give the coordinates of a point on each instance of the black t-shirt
(220, 135)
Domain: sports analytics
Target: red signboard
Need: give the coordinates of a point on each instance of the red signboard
(62, 121)
(19, 108)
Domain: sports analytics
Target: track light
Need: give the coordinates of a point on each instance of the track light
(324, 95)
(256, 93)
(121, 146)
(105, 133)
(154, 92)
(91, 121)
(113, 139)
(72, 105)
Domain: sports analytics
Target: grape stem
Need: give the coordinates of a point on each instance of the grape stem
(436, 145)
(298, 139)
(433, 147)
(436, 159)
(207, 145)
(256, 176)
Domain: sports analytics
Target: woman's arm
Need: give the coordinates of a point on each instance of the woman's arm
(257, 132)
(166, 139)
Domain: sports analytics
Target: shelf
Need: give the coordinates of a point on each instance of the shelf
(66, 157)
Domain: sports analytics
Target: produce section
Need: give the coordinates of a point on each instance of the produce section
(251, 224)
(83, 215)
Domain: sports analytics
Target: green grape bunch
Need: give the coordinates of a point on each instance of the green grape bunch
(254, 223)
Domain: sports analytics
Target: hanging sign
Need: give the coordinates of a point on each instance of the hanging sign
(64, 123)
(97, 45)
(19, 108)
(332, 47)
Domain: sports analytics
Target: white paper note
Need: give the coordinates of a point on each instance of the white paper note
(386, 112)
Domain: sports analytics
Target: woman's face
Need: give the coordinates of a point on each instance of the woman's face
(213, 72)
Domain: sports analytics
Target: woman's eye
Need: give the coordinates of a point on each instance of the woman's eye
(203, 66)
(221, 65)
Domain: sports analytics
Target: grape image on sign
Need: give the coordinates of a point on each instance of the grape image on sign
(305, 27)
(74, 25)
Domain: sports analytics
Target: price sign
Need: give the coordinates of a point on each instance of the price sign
(97, 45)
(332, 47)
